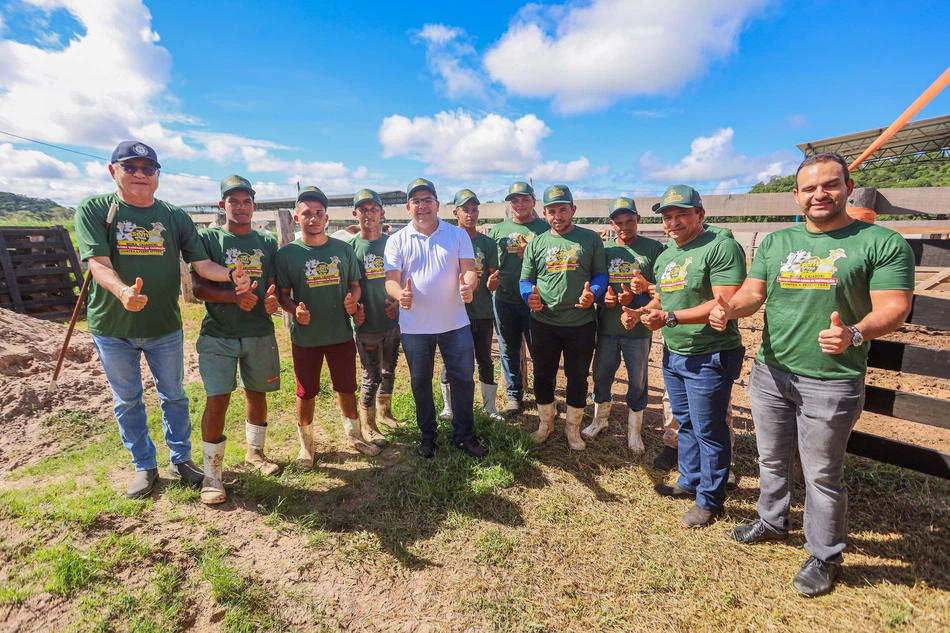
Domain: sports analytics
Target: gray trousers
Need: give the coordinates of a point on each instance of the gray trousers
(816, 417)
(378, 353)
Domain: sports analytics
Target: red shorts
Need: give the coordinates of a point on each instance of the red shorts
(308, 365)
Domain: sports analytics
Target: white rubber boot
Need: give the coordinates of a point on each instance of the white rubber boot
(212, 487)
(572, 428)
(489, 392)
(600, 421)
(255, 449)
(354, 438)
(446, 402)
(369, 428)
(384, 409)
(546, 413)
(634, 425)
(307, 450)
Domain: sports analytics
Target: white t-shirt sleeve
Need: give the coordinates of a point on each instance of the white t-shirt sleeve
(392, 256)
(466, 250)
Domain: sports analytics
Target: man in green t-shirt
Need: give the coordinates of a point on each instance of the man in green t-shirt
(480, 312)
(699, 364)
(377, 318)
(829, 286)
(132, 242)
(564, 273)
(237, 331)
(512, 316)
(319, 275)
(629, 257)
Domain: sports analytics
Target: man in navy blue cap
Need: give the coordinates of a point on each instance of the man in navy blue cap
(133, 305)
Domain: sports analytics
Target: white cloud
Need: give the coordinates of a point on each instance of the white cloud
(714, 158)
(448, 55)
(607, 49)
(224, 148)
(555, 171)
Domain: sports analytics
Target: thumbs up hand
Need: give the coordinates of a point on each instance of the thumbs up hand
(242, 282)
(492, 283)
(721, 314)
(652, 318)
(392, 309)
(639, 283)
(610, 299)
(630, 317)
(349, 304)
(302, 314)
(626, 296)
(131, 296)
(248, 300)
(836, 338)
(405, 297)
(534, 299)
(359, 316)
(466, 291)
(586, 299)
(271, 304)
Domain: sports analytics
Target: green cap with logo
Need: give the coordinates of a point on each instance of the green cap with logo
(682, 196)
(312, 193)
(519, 189)
(558, 193)
(233, 182)
(420, 183)
(622, 205)
(464, 195)
(363, 195)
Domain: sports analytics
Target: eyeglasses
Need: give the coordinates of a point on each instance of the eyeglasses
(418, 202)
(147, 170)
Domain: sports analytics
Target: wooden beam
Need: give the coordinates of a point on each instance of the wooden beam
(911, 359)
(10, 274)
(909, 456)
(931, 312)
(285, 235)
(908, 406)
(934, 280)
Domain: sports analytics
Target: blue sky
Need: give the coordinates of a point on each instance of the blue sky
(614, 97)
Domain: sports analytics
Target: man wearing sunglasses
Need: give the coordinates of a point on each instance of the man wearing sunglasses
(133, 305)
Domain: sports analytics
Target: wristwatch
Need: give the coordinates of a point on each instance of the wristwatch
(231, 274)
(856, 337)
(671, 320)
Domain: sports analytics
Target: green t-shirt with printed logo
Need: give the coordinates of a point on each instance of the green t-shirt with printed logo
(320, 277)
(508, 236)
(810, 275)
(685, 279)
(369, 256)
(486, 256)
(560, 266)
(256, 252)
(141, 242)
(622, 263)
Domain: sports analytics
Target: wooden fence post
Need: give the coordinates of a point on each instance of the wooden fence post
(285, 235)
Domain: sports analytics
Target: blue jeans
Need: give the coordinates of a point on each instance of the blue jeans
(458, 355)
(121, 358)
(700, 388)
(636, 353)
(813, 417)
(513, 320)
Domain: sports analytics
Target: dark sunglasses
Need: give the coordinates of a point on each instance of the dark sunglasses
(147, 170)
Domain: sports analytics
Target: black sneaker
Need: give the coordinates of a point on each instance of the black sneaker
(755, 532)
(427, 447)
(672, 490)
(816, 577)
(472, 447)
(513, 408)
(667, 459)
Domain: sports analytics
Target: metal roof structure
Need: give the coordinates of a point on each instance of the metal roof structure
(918, 141)
(388, 198)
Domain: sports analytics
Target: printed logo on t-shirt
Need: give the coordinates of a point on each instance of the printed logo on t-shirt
(375, 268)
(253, 263)
(322, 273)
(620, 271)
(479, 263)
(674, 276)
(559, 260)
(136, 240)
(518, 240)
(804, 270)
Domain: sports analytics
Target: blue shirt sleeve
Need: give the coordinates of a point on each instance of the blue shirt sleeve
(598, 285)
(525, 286)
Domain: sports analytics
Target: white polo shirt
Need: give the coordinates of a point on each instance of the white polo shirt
(432, 263)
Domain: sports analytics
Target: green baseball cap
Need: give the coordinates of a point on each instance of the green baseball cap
(519, 189)
(464, 195)
(558, 193)
(682, 196)
(420, 183)
(233, 182)
(366, 194)
(312, 193)
(622, 205)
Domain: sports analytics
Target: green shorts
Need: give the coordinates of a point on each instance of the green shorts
(218, 360)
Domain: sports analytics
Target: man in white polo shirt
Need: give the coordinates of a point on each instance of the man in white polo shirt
(430, 270)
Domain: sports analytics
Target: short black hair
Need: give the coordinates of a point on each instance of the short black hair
(824, 157)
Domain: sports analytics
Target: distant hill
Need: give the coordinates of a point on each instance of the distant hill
(882, 175)
(14, 207)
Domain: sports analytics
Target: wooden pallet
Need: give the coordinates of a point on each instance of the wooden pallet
(41, 273)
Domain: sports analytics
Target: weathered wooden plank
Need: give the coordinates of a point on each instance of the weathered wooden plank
(285, 235)
(25, 258)
(43, 271)
(934, 280)
(910, 456)
(71, 256)
(46, 302)
(908, 406)
(46, 287)
(931, 312)
(911, 359)
(9, 273)
(935, 253)
(30, 231)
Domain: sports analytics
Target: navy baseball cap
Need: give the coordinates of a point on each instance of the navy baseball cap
(134, 149)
